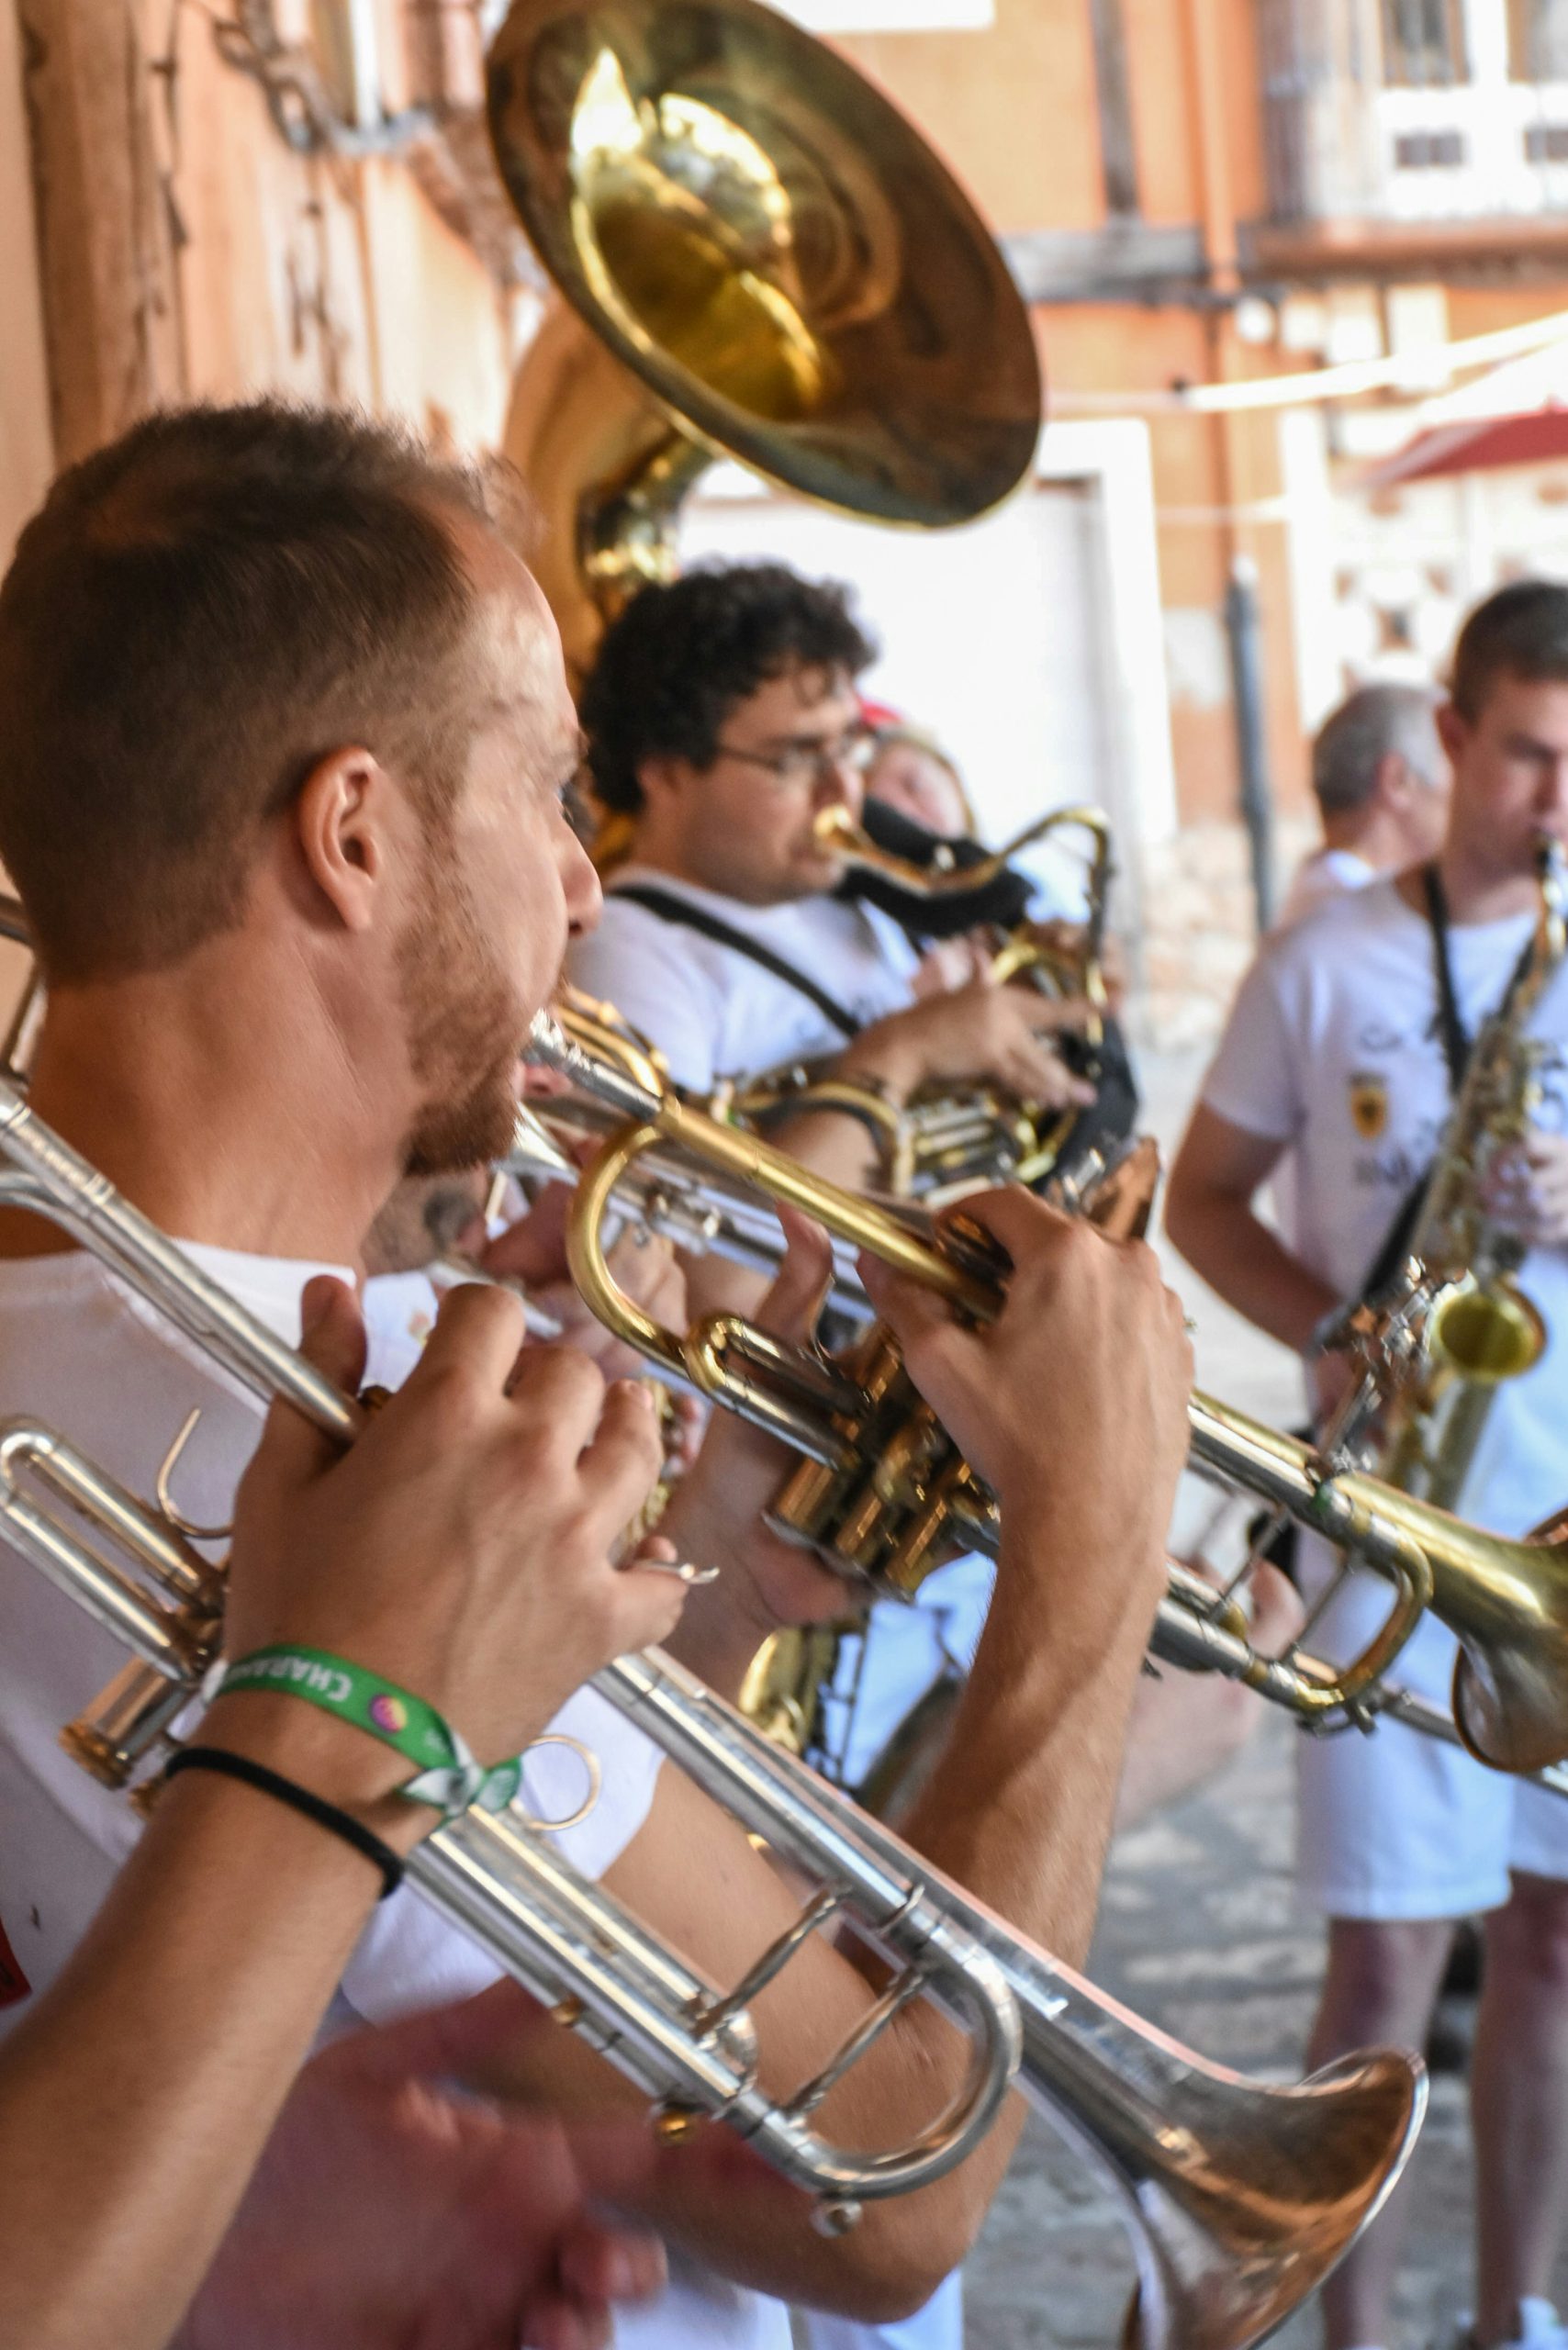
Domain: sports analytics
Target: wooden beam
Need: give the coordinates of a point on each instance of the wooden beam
(105, 244)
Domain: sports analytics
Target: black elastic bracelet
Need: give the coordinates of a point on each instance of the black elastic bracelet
(273, 1782)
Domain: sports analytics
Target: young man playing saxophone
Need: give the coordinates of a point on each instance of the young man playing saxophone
(1337, 1059)
(286, 733)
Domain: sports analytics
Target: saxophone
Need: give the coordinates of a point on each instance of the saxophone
(1458, 1326)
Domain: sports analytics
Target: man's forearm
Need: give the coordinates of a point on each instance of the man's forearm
(134, 2104)
(1250, 1267)
(1019, 1811)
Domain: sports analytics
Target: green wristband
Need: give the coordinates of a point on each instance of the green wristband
(447, 1777)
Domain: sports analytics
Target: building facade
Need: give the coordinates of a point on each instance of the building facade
(1190, 193)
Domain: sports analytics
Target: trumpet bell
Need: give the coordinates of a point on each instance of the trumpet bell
(1487, 1334)
(1219, 2268)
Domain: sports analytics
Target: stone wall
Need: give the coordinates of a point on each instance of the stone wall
(1197, 932)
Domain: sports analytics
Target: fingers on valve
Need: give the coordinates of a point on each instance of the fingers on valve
(332, 1339)
(332, 1330)
(799, 1290)
(477, 1336)
(627, 1449)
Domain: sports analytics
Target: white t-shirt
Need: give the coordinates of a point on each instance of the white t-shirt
(1334, 1049)
(1325, 874)
(80, 1353)
(713, 1013)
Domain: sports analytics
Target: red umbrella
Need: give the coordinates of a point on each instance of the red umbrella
(1473, 446)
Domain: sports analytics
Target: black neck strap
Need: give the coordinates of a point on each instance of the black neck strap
(1456, 1040)
(667, 907)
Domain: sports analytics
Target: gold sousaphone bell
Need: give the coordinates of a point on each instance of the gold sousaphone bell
(760, 259)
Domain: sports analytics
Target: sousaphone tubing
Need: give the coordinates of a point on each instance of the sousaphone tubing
(758, 258)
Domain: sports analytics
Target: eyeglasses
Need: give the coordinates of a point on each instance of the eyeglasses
(805, 764)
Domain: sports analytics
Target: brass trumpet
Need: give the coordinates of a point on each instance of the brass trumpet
(1239, 2197)
(697, 1209)
(883, 1495)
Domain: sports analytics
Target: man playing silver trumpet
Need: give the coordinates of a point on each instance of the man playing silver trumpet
(287, 734)
(137, 2090)
(1425, 1017)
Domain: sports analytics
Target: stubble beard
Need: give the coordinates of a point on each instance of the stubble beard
(465, 1030)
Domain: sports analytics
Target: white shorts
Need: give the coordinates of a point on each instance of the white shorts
(909, 1649)
(1395, 1824)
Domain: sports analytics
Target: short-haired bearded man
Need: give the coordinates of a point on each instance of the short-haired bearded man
(285, 735)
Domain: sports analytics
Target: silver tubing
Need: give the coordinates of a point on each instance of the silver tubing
(1207, 2164)
(1238, 2197)
(501, 1881)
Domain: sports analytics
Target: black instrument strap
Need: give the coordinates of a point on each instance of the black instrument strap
(1456, 1042)
(669, 908)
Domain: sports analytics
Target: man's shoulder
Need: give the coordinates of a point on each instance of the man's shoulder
(636, 933)
(84, 1354)
(1337, 934)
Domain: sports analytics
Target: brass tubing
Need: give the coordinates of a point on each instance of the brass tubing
(836, 831)
(1505, 1600)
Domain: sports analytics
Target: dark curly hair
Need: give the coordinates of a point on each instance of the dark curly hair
(680, 659)
(1521, 632)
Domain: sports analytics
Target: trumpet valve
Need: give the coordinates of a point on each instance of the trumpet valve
(676, 2125)
(126, 1723)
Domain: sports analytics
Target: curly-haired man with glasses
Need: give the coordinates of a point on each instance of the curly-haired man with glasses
(721, 717)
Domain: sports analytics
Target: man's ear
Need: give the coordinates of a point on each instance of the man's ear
(340, 820)
(1395, 782)
(662, 779)
(1453, 732)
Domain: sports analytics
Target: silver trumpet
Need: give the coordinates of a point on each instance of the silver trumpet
(1240, 2198)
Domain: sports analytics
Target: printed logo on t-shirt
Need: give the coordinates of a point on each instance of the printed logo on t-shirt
(1368, 1103)
(14, 1984)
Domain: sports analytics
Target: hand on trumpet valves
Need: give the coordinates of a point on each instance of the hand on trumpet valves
(717, 1509)
(533, 1250)
(461, 1548)
(1527, 1189)
(1071, 1404)
(982, 1030)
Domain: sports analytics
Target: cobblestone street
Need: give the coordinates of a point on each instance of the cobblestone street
(1200, 1933)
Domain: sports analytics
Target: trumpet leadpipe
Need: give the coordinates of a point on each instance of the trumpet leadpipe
(675, 1199)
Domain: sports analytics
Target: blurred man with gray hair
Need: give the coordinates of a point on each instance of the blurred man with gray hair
(1382, 785)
